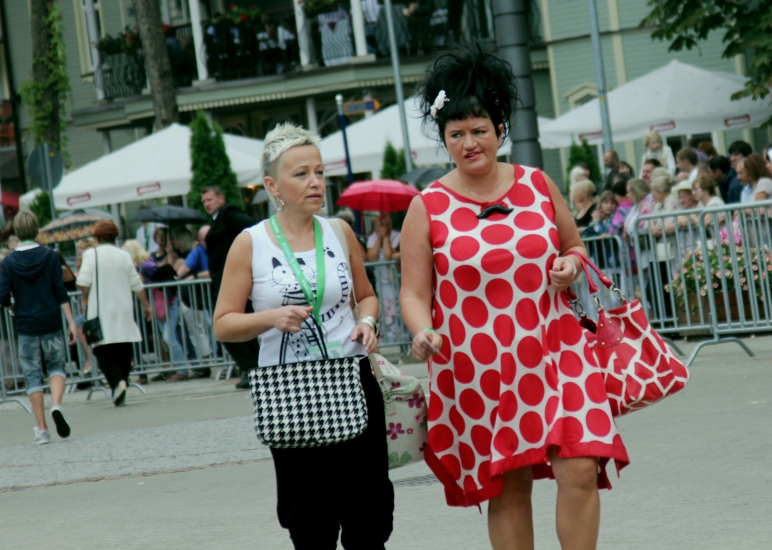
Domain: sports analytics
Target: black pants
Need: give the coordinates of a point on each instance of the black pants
(115, 361)
(243, 353)
(339, 487)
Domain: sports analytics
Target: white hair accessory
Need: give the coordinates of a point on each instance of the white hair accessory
(439, 103)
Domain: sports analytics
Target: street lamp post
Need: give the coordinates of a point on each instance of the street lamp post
(342, 123)
(398, 85)
(600, 76)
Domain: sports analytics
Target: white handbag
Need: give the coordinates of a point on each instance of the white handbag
(403, 398)
(406, 426)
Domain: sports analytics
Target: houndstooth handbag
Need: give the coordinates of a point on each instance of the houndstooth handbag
(308, 404)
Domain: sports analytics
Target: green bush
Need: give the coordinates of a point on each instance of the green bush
(586, 154)
(41, 207)
(393, 163)
(210, 164)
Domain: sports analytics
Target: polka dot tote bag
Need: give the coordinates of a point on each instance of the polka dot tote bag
(638, 367)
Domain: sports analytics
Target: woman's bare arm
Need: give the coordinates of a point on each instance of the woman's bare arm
(363, 291)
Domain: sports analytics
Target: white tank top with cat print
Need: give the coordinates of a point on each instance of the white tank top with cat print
(274, 285)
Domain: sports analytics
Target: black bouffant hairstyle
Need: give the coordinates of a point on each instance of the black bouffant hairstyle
(476, 84)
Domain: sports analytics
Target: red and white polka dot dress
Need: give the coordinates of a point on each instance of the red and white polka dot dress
(514, 375)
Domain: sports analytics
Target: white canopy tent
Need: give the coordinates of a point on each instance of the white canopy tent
(677, 99)
(367, 141)
(156, 166)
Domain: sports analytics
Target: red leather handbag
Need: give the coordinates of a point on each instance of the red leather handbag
(637, 365)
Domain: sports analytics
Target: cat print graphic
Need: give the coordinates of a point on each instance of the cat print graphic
(308, 343)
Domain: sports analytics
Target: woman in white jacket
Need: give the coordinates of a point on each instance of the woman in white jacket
(656, 148)
(107, 279)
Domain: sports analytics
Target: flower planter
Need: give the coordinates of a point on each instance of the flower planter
(691, 314)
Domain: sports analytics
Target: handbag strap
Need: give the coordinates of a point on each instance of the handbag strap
(590, 267)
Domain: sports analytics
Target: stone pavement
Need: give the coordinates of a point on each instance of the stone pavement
(180, 468)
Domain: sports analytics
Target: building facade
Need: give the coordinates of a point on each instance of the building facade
(252, 67)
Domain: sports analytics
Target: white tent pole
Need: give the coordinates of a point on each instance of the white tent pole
(600, 75)
(198, 39)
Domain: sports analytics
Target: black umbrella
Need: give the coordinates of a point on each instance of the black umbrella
(426, 174)
(170, 213)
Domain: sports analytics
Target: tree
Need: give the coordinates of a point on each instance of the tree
(45, 93)
(584, 154)
(210, 164)
(393, 163)
(746, 27)
(159, 69)
(41, 207)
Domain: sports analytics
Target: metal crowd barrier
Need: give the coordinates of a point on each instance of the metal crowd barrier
(179, 337)
(707, 275)
(387, 277)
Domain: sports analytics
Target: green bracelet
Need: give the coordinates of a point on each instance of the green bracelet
(431, 329)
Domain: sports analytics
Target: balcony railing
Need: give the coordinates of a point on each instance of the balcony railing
(238, 50)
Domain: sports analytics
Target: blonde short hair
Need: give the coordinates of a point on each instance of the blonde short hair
(652, 136)
(26, 225)
(136, 251)
(280, 140)
(662, 183)
(659, 172)
(584, 185)
(638, 188)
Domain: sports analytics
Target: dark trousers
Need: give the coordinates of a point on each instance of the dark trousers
(243, 353)
(339, 487)
(115, 361)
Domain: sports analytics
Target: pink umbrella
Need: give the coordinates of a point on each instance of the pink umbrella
(378, 196)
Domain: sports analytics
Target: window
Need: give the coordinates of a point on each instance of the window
(581, 95)
(90, 29)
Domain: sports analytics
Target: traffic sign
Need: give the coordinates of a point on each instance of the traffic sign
(361, 107)
(45, 167)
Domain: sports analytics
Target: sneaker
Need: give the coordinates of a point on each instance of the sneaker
(41, 437)
(119, 396)
(62, 427)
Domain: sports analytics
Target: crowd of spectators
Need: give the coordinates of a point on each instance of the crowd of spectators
(693, 179)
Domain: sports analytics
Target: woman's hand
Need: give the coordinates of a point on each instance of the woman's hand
(426, 344)
(564, 271)
(364, 333)
(290, 318)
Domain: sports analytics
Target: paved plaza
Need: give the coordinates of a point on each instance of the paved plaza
(181, 468)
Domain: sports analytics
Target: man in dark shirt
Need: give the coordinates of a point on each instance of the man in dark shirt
(31, 276)
(726, 177)
(227, 222)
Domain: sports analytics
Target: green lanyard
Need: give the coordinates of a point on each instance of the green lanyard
(293, 263)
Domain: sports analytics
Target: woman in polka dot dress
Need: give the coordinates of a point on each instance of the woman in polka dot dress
(516, 394)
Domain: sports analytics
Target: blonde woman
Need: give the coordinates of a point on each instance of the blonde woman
(137, 252)
(343, 486)
(582, 197)
(656, 148)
